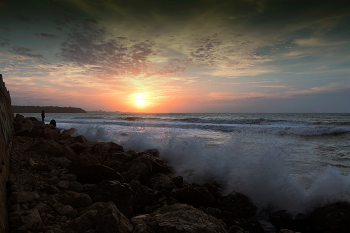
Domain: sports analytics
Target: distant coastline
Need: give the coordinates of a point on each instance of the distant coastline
(47, 109)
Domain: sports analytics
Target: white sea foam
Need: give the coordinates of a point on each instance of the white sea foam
(259, 167)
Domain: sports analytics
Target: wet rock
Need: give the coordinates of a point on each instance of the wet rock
(102, 150)
(95, 173)
(238, 204)
(283, 219)
(153, 152)
(226, 216)
(195, 196)
(121, 194)
(69, 132)
(140, 169)
(178, 181)
(214, 189)
(330, 218)
(177, 218)
(164, 182)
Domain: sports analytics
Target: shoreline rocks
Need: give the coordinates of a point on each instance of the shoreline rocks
(61, 183)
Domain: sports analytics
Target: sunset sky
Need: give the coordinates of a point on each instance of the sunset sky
(177, 56)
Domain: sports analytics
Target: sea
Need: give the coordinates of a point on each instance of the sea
(281, 161)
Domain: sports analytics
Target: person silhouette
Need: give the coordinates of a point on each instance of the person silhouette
(43, 116)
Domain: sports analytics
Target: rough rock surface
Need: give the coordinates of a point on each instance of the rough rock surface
(178, 218)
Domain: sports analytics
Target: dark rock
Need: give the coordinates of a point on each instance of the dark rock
(238, 204)
(22, 197)
(330, 218)
(104, 217)
(78, 147)
(42, 167)
(51, 189)
(153, 152)
(63, 184)
(251, 225)
(214, 189)
(177, 218)
(54, 180)
(69, 131)
(33, 119)
(75, 199)
(102, 152)
(32, 220)
(80, 139)
(121, 194)
(46, 148)
(226, 216)
(76, 186)
(178, 181)
(144, 166)
(140, 169)
(164, 182)
(142, 196)
(53, 122)
(195, 196)
(283, 219)
(95, 173)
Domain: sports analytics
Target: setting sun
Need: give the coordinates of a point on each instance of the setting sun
(140, 102)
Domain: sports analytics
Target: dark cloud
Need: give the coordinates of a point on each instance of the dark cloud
(5, 29)
(48, 36)
(25, 52)
(206, 50)
(4, 42)
(23, 18)
(88, 48)
(59, 29)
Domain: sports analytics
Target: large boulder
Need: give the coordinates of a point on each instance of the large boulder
(195, 196)
(144, 166)
(46, 148)
(103, 218)
(75, 199)
(121, 194)
(283, 219)
(142, 196)
(177, 218)
(102, 150)
(330, 218)
(95, 173)
(238, 204)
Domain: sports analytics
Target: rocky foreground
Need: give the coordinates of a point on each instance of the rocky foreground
(60, 183)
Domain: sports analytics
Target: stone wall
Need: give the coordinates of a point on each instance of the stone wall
(6, 127)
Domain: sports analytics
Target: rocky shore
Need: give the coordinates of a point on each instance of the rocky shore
(64, 183)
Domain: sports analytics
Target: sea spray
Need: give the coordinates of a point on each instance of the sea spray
(257, 166)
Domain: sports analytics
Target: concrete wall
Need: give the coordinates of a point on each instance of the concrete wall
(6, 134)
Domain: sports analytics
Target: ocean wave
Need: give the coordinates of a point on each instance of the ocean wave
(275, 129)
